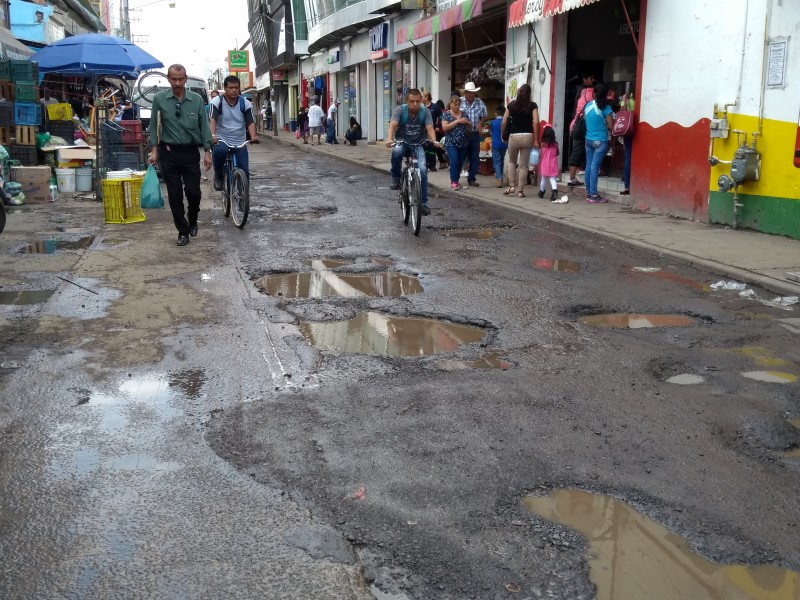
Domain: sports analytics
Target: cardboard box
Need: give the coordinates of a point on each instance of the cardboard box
(69, 153)
(35, 182)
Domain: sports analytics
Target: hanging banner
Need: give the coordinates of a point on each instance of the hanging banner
(516, 75)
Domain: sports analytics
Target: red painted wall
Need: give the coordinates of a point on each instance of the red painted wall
(670, 170)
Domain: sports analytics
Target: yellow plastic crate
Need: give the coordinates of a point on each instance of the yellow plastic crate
(59, 112)
(122, 200)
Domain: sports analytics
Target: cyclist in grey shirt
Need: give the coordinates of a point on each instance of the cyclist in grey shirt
(231, 120)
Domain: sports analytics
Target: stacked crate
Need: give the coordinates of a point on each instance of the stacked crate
(20, 110)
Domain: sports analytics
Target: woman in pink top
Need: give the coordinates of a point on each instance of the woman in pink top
(548, 162)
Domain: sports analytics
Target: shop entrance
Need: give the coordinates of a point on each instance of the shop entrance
(599, 43)
(479, 55)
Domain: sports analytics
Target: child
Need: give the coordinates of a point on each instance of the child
(548, 162)
(499, 147)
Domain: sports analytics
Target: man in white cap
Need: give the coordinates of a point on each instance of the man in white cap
(475, 110)
(331, 134)
(315, 118)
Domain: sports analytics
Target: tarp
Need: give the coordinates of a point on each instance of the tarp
(523, 12)
(467, 10)
(12, 48)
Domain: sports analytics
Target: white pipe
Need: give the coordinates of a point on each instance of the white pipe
(767, 21)
(744, 47)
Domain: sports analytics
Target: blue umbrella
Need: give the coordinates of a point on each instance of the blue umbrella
(94, 54)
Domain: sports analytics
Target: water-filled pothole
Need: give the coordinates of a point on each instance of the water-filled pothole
(53, 246)
(322, 264)
(492, 360)
(770, 376)
(474, 234)
(686, 379)
(378, 334)
(636, 321)
(673, 277)
(325, 284)
(632, 557)
(24, 298)
(556, 264)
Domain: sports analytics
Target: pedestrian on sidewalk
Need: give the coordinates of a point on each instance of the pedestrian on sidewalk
(522, 119)
(475, 110)
(599, 121)
(548, 162)
(268, 116)
(499, 147)
(353, 134)
(315, 119)
(333, 109)
(179, 125)
(457, 130)
(628, 104)
(577, 131)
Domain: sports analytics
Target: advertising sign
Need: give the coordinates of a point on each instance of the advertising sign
(238, 60)
(378, 38)
(516, 75)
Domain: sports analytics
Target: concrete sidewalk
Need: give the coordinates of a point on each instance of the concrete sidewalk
(740, 254)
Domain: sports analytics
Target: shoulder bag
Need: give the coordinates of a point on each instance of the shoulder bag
(625, 122)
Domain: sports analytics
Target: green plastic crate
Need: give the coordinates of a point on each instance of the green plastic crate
(24, 70)
(27, 91)
(5, 70)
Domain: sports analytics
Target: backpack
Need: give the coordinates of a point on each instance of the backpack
(241, 108)
(404, 116)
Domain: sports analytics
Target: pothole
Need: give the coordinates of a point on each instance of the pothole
(474, 234)
(25, 298)
(636, 321)
(53, 246)
(492, 360)
(556, 264)
(322, 264)
(686, 379)
(631, 556)
(326, 284)
(657, 273)
(377, 334)
(316, 212)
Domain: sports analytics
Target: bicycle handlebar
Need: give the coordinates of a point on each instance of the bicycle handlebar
(253, 141)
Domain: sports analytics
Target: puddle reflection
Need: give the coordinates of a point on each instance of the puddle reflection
(474, 234)
(52, 246)
(632, 557)
(323, 264)
(493, 360)
(24, 298)
(686, 379)
(636, 321)
(770, 376)
(322, 284)
(376, 334)
(556, 264)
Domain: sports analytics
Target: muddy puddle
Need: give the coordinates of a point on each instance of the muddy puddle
(376, 334)
(323, 264)
(493, 360)
(326, 284)
(53, 246)
(473, 234)
(632, 557)
(25, 298)
(657, 273)
(636, 321)
(556, 264)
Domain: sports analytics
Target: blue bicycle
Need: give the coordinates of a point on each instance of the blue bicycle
(235, 187)
(411, 187)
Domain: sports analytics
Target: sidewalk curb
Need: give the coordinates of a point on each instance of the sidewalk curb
(771, 284)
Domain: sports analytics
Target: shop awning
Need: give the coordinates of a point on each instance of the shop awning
(12, 48)
(443, 21)
(522, 12)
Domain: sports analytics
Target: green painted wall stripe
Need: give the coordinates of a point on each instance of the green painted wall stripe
(780, 216)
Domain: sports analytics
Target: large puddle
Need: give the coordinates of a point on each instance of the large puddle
(634, 558)
(556, 264)
(636, 321)
(377, 334)
(53, 246)
(492, 360)
(322, 264)
(325, 284)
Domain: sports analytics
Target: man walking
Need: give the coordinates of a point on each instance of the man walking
(475, 110)
(179, 125)
(315, 118)
(231, 121)
(333, 109)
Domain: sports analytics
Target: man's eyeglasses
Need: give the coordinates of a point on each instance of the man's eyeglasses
(178, 109)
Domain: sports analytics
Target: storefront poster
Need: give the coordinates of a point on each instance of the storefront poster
(516, 75)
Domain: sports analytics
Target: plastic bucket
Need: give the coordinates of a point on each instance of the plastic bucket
(83, 179)
(66, 180)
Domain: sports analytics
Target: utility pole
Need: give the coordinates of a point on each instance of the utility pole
(125, 19)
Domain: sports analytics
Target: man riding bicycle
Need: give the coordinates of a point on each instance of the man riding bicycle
(413, 124)
(231, 120)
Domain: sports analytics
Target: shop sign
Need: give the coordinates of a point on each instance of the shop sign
(522, 12)
(279, 75)
(516, 75)
(238, 60)
(333, 57)
(379, 37)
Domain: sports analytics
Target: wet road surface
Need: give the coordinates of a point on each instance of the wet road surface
(325, 402)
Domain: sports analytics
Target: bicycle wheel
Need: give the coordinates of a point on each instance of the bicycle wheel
(415, 202)
(404, 197)
(226, 191)
(147, 89)
(240, 198)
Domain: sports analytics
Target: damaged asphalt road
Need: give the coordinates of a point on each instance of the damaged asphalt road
(194, 435)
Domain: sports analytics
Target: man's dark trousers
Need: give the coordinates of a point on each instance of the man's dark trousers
(473, 154)
(180, 168)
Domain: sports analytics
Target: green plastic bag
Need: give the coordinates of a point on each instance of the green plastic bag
(151, 190)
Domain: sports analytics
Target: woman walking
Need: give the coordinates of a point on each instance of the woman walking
(457, 131)
(523, 134)
(599, 120)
